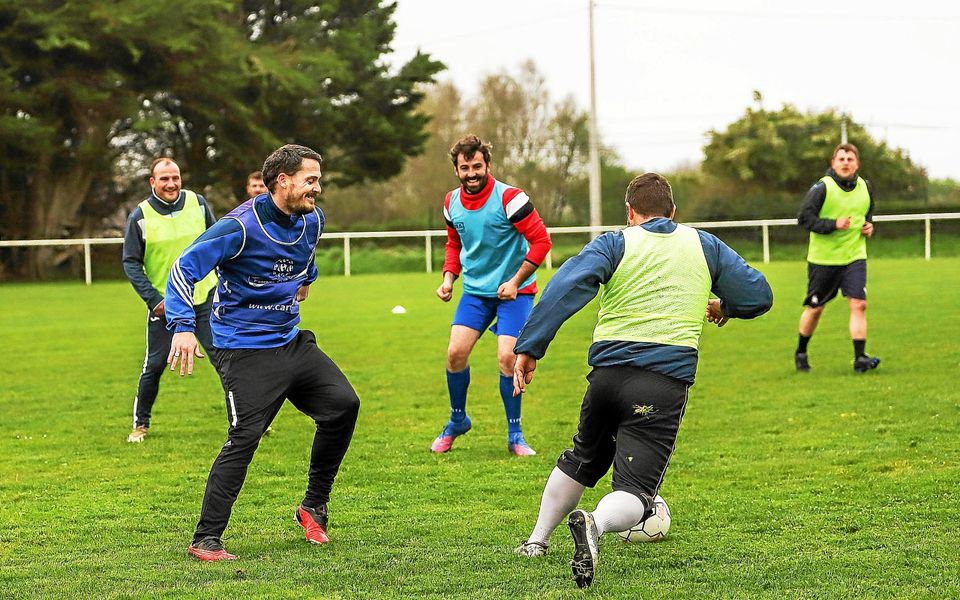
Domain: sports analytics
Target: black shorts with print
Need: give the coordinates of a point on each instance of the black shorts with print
(629, 418)
(823, 281)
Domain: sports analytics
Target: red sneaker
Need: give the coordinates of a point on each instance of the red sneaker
(210, 550)
(314, 523)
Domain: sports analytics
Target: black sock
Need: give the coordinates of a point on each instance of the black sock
(859, 348)
(802, 343)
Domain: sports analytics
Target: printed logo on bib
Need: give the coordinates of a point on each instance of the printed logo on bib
(282, 271)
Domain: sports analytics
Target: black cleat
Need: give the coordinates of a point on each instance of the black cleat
(585, 554)
(800, 359)
(865, 363)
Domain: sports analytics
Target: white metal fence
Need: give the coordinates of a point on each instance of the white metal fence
(428, 235)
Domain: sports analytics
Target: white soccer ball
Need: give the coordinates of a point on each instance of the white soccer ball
(652, 529)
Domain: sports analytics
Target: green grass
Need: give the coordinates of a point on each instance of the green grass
(826, 485)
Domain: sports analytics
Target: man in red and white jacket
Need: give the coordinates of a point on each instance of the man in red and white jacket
(495, 241)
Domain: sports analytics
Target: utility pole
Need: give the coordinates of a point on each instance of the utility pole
(595, 213)
(843, 130)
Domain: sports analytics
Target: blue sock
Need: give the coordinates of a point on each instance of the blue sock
(511, 404)
(457, 384)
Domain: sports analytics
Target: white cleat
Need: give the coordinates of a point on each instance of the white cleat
(136, 436)
(532, 549)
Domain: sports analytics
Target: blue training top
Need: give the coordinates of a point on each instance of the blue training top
(743, 291)
(262, 256)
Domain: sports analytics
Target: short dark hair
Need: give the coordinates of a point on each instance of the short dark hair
(469, 145)
(286, 159)
(255, 175)
(161, 159)
(650, 195)
(847, 147)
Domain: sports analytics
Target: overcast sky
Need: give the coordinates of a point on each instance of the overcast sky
(668, 71)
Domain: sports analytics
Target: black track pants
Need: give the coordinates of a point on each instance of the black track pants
(257, 381)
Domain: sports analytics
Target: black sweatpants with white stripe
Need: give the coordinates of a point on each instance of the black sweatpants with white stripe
(155, 361)
(257, 381)
(629, 418)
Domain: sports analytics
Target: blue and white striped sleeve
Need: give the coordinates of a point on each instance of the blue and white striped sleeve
(216, 245)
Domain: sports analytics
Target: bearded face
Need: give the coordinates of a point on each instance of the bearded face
(472, 172)
(297, 194)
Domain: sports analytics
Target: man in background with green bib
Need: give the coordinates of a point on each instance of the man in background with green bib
(655, 279)
(838, 213)
(158, 230)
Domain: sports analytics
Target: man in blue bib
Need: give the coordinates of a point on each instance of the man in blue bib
(263, 255)
(495, 240)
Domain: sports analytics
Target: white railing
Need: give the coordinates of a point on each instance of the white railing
(428, 235)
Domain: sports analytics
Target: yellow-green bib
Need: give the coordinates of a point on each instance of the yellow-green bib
(659, 292)
(165, 237)
(842, 246)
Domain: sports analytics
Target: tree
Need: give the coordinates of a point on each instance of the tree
(215, 83)
(786, 150)
(538, 145)
(411, 198)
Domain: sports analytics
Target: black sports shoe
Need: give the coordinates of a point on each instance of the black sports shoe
(865, 363)
(585, 554)
(800, 359)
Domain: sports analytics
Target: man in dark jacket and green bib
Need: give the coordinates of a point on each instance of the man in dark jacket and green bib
(838, 213)
(655, 279)
(158, 230)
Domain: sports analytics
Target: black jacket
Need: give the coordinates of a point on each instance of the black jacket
(809, 216)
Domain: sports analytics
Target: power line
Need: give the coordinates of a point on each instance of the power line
(480, 33)
(766, 15)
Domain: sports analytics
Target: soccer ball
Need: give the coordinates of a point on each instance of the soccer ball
(652, 529)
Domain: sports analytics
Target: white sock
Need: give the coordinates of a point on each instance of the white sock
(618, 511)
(560, 497)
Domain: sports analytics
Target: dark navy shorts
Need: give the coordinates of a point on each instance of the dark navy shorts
(823, 282)
(629, 419)
(478, 312)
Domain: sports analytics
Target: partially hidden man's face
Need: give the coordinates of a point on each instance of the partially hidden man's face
(472, 172)
(298, 193)
(845, 164)
(255, 187)
(165, 181)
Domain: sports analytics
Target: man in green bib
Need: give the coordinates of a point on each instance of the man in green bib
(655, 279)
(838, 213)
(157, 231)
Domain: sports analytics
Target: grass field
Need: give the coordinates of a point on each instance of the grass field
(825, 485)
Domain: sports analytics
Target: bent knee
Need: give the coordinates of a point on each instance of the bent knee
(507, 362)
(457, 359)
(858, 305)
(348, 402)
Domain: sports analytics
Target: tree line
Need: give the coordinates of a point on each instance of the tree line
(759, 166)
(91, 92)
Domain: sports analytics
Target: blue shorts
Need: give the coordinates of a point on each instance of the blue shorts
(477, 312)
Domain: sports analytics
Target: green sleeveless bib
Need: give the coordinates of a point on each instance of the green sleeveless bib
(659, 291)
(167, 236)
(843, 246)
